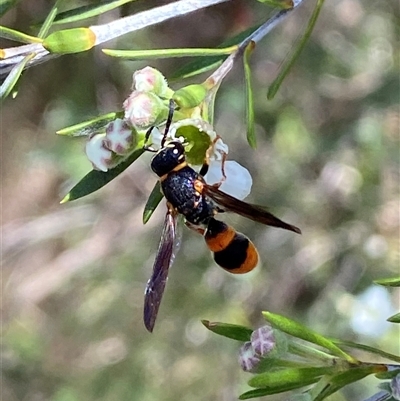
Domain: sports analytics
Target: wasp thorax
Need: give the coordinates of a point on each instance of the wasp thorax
(168, 158)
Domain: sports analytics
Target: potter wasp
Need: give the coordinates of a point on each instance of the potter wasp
(188, 194)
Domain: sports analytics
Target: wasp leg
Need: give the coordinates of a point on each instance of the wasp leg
(150, 148)
(206, 164)
(147, 147)
(204, 169)
(197, 228)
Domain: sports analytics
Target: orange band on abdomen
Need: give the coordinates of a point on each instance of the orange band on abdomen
(218, 241)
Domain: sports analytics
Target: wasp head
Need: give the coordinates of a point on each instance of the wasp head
(167, 158)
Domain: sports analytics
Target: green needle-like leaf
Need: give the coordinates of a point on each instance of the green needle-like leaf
(251, 136)
(93, 126)
(394, 319)
(260, 392)
(152, 203)
(288, 65)
(97, 179)
(389, 282)
(280, 379)
(298, 330)
(283, 4)
(165, 53)
(204, 64)
(44, 29)
(367, 348)
(342, 379)
(232, 331)
(12, 78)
(17, 36)
(84, 12)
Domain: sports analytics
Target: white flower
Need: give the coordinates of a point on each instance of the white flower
(97, 152)
(119, 137)
(238, 180)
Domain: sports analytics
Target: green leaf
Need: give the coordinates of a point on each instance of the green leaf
(269, 363)
(260, 392)
(84, 12)
(153, 201)
(44, 29)
(282, 4)
(298, 330)
(196, 67)
(273, 89)
(93, 126)
(394, 319)
(17, 36)
(285, 379)
(251, 136)
(67, 41)
(342, 379)
(367, 348)
(309, 352)
(232, 331)
(389, 282)
(97, 179)
(166, 53)
(276, 390)
(12, 78)
(207, 63)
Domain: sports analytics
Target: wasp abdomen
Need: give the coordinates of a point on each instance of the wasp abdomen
(233, 251)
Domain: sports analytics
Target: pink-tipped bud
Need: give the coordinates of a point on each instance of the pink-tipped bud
(98, 154)
(263, 340)
(119, 137)
(149, 79)
(144, 109)
(247, 358)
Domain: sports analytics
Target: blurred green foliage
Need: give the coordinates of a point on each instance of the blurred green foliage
(327, 160)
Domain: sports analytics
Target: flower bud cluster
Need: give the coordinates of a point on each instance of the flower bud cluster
(147, 106)
(104, 150)
(262, 343)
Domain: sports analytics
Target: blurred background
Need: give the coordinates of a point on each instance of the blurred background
(327, 161)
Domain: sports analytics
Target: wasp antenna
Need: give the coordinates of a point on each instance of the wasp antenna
(147, 136)
(169, 121)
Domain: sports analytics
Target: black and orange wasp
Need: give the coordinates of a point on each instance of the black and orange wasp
(188, 194)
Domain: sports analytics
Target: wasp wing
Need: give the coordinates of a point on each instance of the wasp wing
(252, 212)
(167, 248)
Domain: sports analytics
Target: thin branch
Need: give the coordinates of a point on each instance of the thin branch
(256, 36)
(109, 31)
